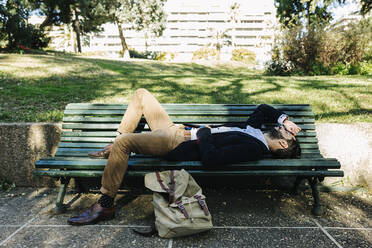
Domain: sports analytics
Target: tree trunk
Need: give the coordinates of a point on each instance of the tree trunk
(77, 28)
(47, 22)
(233, 37)
(125, 51)
(308, 15)
(146, 44)
(10, 40)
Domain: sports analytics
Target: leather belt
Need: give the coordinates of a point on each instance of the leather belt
(187, 135)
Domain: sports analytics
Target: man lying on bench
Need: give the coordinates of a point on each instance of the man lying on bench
(212, 146)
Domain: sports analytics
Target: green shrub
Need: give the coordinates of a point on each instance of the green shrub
(319, 69)
(277, 65)
(142, 55)
(295, 49)
(354, 69)
(340, 69)
(205, 53)
(161, 56)
(277, 68)
(366, 68)
(340, 50)
(243, 55)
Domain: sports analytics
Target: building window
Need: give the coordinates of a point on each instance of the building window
(249, 29)
(246, 37)
(252, 21)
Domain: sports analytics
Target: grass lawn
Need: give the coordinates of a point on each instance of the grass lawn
(37, 87)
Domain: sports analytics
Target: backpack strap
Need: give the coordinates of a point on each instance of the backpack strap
(182, 208)
(171, 186)
(202, 204)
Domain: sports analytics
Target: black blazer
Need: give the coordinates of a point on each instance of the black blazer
(228, 147)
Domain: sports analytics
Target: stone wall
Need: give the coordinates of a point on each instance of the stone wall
(21, 144)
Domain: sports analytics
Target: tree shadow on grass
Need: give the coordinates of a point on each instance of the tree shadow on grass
(98, 80)
(347, 94)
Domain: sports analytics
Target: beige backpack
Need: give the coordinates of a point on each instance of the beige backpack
(179, 205)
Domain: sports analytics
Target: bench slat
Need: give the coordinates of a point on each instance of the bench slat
(108, 140)
(190, 106)
(102, 145)
(177, 119)
(109, 126)
(81, 155)
(183, 112)
(77, 173)
(74, 153)
(330, 163)
(73, 150)
(111, 134)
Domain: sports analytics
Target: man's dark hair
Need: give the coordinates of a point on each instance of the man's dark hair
(292, 151)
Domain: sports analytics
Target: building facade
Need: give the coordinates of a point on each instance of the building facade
(191, 25)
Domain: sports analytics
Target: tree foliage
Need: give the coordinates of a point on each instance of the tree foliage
(366, 6)
(14, 28)
(85, 15)
(312, 13)
(140, 15)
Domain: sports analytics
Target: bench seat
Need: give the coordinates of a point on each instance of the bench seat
(90, 127)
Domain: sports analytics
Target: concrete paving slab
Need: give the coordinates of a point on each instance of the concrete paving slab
(19, 205)
(130, 210)
(259, 208)
(228, 207)
(264, 218)
(6, 232)
(256, 238)
(352, 238)
(79, 204)
(352, 209)
(87, 236)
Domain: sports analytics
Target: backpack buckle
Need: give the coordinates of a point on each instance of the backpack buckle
(202, 204)
(182, 208)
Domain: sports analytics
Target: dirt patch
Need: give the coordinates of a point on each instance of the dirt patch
(351, 144)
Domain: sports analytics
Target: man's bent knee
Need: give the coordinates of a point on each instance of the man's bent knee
(121, 142)
(141, 92)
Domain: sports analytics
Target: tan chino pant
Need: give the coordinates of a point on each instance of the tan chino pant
(164, 137)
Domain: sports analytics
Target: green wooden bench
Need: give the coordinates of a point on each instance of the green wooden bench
(90, 127)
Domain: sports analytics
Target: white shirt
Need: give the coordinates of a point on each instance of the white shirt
(255, 132)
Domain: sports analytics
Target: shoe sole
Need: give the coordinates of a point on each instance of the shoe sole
(90, 223)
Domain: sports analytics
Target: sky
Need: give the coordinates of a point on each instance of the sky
(339, 11)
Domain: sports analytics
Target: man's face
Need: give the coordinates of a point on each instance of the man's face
(280, 133)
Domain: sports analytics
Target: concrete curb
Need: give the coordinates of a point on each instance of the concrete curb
(21, 145)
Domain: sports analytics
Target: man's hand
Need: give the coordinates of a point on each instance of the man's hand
(291, 127)
(206, 126)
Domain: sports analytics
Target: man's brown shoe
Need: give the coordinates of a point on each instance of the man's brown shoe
(93, 215)
(101, 154)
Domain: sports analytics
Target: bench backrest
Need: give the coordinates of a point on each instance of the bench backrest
(94, 125)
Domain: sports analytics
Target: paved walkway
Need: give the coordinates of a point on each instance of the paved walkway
(242, 218)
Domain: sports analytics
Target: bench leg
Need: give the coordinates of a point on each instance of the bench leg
(60, 207)
(317, 208)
